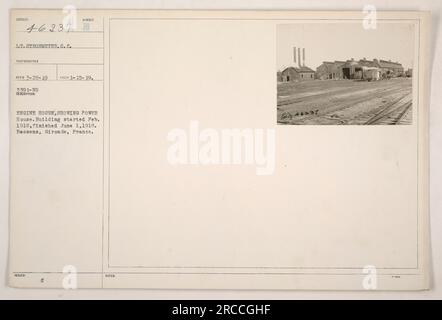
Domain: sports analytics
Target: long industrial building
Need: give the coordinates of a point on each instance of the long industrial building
(352, 69)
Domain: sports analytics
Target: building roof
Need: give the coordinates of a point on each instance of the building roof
(305, 69)
(351, 63)
(365, 62)
(302, 69)
(291, 68)
(389, 64)
(371, 63)
(333, 62)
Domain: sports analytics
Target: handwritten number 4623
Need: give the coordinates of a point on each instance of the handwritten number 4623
(51, 28)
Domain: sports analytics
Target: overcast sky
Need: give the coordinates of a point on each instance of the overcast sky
(343, 41)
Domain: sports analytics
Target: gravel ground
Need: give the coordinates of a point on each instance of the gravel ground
(350, 102)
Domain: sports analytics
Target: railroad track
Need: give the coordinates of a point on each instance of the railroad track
(392, 114)
(286, 102)
(377, 94)
(405, 116)
(303, 98)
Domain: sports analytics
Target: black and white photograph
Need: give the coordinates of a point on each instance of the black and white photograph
(345, 74)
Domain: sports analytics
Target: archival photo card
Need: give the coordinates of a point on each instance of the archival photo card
(162, 162)
(345, 73)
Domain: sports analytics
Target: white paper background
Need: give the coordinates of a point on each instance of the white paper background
(435, 155)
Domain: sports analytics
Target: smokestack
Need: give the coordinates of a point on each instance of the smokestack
(299, 57)
(303, 57)
(294, 54)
